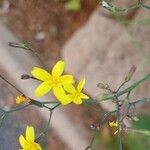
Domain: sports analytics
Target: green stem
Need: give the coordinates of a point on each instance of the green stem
(10, 84)
(106, 115)
(119, 126)
(46, 127)
(48, 123)
(129, 89)
(2, 118)
(1, 110)
(135, 6)
(140, 101)
(18, 108)
(142, 131)
(41, 61)
(121, 86)
(116, 9)
(144, 6)
(133, 86)
(50, 102)
(55, 107)
(27, 47)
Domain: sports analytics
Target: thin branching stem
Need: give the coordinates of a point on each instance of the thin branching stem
(129, 89)
(1, 110)
(119, 140)
(50, 102)
(140, 101)
(45, 131)
(28, 47)
(105, 116)
(18, 108)
(90, 147)
(2, 118)
(115, 9)
(141, 131)
(120, 86)
(11, 84)
(48, 123)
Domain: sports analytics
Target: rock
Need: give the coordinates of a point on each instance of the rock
(103, 51)
(4, 7)
(10, 132)
(125, 3)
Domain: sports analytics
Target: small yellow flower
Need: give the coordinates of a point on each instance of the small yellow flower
(54, 81)
(28, 143)
(21, 99)
(74, 94)
(113, 124)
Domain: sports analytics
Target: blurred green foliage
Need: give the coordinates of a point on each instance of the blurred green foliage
(130, 140)
(73, 5)
(137, 141)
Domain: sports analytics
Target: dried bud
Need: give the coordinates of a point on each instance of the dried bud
(106, 5)
(135, 118)
(103, 86)
(130, 73)
(19, 45)
(25, 76)
(94, 127)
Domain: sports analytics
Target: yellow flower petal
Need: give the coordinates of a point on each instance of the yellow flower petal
(38, 147)
(58, 68)
(113, 124)
(81, 85)
(44, 88)
(70, 88)
(40, 74)
(21, 99)
(59, 93)
(83, 96)
(66, 100)
(29, 143)
(30, 137)
(22, 141)
(67, 79)
(77, 101)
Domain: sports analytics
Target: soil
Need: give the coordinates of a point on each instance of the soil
(48, 19)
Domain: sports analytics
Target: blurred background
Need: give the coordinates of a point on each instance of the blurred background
(94, 44)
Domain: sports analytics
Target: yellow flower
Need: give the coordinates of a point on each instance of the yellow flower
(28, 143)
(113, 124)
(21, 99)
(75, 94)
(54, 81)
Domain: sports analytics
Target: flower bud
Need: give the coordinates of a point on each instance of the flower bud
(106, 5)
(25, 76)
(103, 86)
(130, 73)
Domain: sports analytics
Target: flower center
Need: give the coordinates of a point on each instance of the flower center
(32, 146)
(77, 95)
(55, 81)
